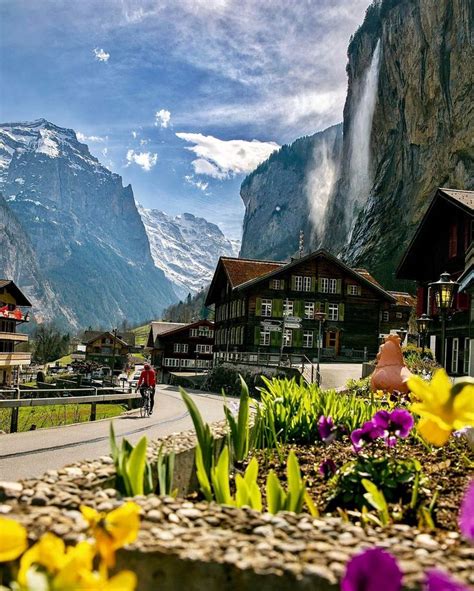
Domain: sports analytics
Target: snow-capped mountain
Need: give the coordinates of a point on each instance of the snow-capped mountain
(83, 227)
(186, 248)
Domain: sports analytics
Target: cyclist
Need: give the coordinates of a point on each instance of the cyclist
(147, 380)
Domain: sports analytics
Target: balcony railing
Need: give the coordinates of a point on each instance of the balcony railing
(16, 358)
(16, 314)
(18, 337)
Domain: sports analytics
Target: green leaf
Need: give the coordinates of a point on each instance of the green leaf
(202, 477)
(220, 478)
(243, 422)
(275, 494)
(251, 472)
(136, 467)
(310, 504)
(376, 498)
(113, 444)
(242, 492)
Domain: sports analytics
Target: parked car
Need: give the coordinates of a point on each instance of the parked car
(134, 380)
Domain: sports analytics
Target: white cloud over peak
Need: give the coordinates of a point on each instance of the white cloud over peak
(202, 185)
(89, 138)
(146, 160)
(162, 118)
(101, 55)
(222, 158)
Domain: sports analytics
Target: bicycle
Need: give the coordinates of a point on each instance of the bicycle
(145, 408)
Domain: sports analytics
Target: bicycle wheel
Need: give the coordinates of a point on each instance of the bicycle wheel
(143, 409)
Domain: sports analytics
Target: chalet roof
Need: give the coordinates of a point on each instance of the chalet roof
(158, 328)
(461, 196)
(404, 298)
(92, 335)
(186, 327)
(242, 270)
(19, 296)
(369, 277)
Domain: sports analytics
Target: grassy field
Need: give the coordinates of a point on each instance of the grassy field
(141, 334)
(54, 416)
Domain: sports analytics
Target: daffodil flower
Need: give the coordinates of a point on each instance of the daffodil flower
(443, 407)
(13, 539)
(49, 553)
(113, 530)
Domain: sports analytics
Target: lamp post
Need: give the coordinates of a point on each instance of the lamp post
(320, 317)
(444, 290)
(423, 323)
(114, 333)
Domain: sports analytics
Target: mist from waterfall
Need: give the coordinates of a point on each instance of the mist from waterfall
(360, 174)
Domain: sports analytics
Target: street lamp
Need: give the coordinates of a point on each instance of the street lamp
(444, 290)
(423, 324)
(320, 317)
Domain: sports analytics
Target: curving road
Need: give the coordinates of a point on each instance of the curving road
(30, 454)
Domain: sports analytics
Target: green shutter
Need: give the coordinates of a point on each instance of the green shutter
(326, 309)
(341, 312)
(313, 283)
(275, 339)
(359, 290)
(348, 287)
(257, 335)
(320, 286)
(338, 285)
(277, 308)
(258, 307)
(282, 283)
(317, 306)
(298, 338)
(293, 283)
(299, 308)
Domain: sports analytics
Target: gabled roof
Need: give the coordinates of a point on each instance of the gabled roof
(368, 276)
(21, 299)
(463, 198)
(97, 335)
(186, 327)
(159, 327)
(404, 298)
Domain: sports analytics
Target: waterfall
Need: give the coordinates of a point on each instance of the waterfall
(360, 176)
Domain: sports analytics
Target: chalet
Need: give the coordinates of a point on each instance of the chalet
(183, 347)
(12, 302)
(442, 243)
(106, 348)
(252, 297)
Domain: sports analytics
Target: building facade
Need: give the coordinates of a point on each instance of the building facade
(12, 314)
(107, 348)
(442, 243)
(272, 307)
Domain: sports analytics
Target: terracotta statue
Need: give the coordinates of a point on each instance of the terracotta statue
(391, 372)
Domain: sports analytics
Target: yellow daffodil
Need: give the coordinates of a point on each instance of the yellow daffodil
(113, 530)
(443, 408)
(13, 539)
(76, 568)
(48, 552)
(123, 581)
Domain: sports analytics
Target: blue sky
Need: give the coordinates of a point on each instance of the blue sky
(180, 97)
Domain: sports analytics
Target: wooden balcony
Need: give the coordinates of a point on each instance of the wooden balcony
(18, 337)
(10, 359)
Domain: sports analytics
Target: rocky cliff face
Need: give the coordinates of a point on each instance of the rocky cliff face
(186, 248)
(87, 235)
(421, 130)
(289, 193)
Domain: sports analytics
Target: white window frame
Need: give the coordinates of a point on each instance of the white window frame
(398, 315)
(308, 339)
(288, 307)
(385, 316)
(353, 289)
(195, 332)
(266, 308)
(333, 312)
(455, 355)
(276, 284)
(201, 348)
(332, 286)
(171, 362)
(309, 310)
(467, 353)
(298, 283)
(306, 283)
(287, 337)
(264, 338)
(324, 285)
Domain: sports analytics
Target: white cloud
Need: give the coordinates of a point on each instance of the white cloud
(90, 138)
(189, 178)
(134, 134)
(101, 55)
(162, 118)
(146, 160)
(222, 158)
(144, 142)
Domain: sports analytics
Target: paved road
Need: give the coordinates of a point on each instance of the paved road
(336, 375)
(30, 454)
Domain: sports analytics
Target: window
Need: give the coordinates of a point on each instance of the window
(204, 349)
(275, 284)
(266, 307)
(171, 362)
(180, 348)
(308, 339)
(309, 310)
(287, 337)
(455, 355)
(333, 286)
(194, 332)
(288, 307)
(306, 283)
(324, 281)
(399, 315)
(466, 356)
(333, 312)
(385, 316)
(353, 290)
(298, 282)
(265, 337)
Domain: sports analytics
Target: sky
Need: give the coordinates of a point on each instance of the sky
(182, 98)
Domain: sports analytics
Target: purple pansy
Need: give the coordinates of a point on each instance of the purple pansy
(326, 428)
(372, 570)
(327, 468)
(366, 434)
(437, 580)
(466, 514)
(397, 423)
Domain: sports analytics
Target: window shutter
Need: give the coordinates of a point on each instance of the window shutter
(293, 282)
(257, 335)
(317, 306)
(313, 283)
(299, 308)
(258, 307)
(326, 308)
(275, 339)
(341, 312)
(348, 289)
(320, 284)
(282, 283)
(277, 307)
(338, 285)
(298, 337)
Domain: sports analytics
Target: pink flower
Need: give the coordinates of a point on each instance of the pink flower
(466, 514)
(372, 570)
(437, 580)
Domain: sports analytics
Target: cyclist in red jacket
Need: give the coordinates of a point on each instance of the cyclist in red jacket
(147, 380)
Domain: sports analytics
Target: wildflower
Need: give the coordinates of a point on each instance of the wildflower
(397, 423)
(327, 468)
(13, 541)
(444, 408)
(113, 530)
(437, 580)
(49, 553)
(366, 434)
(466, 514)
(372, 570)
(326, 428)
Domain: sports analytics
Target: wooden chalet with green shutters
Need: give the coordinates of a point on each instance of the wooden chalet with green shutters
(251, 295)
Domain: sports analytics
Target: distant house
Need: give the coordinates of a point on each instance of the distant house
(106, 348)
(183, 347)
(252, 298)
(12, 302)
(443, 242)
